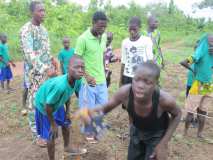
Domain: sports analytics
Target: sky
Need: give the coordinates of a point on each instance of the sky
(184, 5)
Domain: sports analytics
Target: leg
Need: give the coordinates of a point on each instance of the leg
(51, 149)
(24, 98)
(189, 118)
(2, 84)
(66, 137)
(87, 99)
(8, 85)
(201, 122)
(136, 148)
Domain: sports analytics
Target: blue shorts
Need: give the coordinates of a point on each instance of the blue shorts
(43, 123)
(6, 73)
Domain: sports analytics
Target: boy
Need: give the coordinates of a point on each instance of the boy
(5, 62)
(65, 55)
(135, 50)
(148, 108)
(49, 103)
(154, 34)
(202, 88)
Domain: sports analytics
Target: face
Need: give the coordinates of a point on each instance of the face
(210, 41)
(4, 39)
(66, 43)
(99, 26)
(144, 83)
(153, 23)
(76, 68)
(133, 30)
(39, 13)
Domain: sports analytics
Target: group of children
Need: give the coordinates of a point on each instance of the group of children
(153, 113)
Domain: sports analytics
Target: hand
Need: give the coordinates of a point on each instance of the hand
(53, 131)
(90, 80)
(160, 152)
(51, 73)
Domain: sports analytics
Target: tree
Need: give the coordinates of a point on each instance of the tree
(206, 4)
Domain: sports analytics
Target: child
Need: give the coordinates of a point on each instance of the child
(154, 34)
(65, 55)
(109, 57)
(201, 88)
(5, 62)
(49, 103)
(135, 50)
(148, 108)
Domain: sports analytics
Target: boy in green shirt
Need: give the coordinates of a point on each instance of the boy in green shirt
(5, 62)
(65, 55)
(49, 103)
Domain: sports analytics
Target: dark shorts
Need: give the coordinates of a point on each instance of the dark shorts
(142, 144)
(6, 74)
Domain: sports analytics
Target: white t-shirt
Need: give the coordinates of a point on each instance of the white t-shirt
(135, 52)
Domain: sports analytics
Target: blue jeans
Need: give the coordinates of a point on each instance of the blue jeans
(91, 97)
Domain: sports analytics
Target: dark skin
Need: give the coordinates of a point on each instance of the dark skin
(66, 44)
(134, 35)
(4, 41)
(189, 116)
(97, 30)
(38, 16)
(152, 26)
(143, 86)
(76, 71)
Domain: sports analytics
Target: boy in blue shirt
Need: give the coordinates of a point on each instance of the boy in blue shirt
(50, 112)
(65, 55)
(5, 62)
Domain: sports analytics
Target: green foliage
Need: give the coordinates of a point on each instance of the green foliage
(69, 19)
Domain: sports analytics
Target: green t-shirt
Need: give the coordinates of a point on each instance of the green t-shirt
(4, 53)
(91, 49)
(64, 57)
(203, 62)
(55, 92)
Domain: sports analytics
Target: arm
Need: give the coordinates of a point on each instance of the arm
(121, 74)
(186, 64)
(167, 104)
(53, 126)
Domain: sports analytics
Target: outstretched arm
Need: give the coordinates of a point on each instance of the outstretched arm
(186, 64)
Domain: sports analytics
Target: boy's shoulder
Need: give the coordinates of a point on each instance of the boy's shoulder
(166, 99)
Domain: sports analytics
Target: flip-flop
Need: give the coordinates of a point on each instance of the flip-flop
(41, 143)
(91, 140)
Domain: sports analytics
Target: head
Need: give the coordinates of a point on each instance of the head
(210, 41)
(99, 21)
(38, 12)
(109, 38)
(145, 80)
(3, 38)
(66, 42)
(134, 27)
(152, 22)
(76, 67)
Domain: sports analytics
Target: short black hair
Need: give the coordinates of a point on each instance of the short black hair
(2, 35)
(135, 20)
(99, 15)
(33, 5)
(151, 65)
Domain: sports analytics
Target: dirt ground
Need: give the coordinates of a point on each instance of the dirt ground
(16, 140)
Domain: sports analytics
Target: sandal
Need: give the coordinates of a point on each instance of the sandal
(41, 142)
(91, 140)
